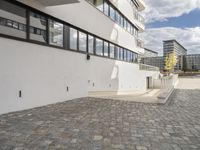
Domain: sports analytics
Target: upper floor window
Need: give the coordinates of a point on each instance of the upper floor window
(55, 33)
(73, 41)
(106, 8)
(112, 51)
(82, 41)
(125, 54)
(99, 47)
(106, 48)
(90, 44)
(13, 20)
(99, 4)
(121, 53)
(112, 13)
(38, 27)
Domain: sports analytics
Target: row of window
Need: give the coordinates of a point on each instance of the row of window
(108, 9)
(45, 30)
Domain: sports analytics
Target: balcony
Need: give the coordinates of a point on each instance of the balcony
(57, 2)
(139, 17)
(140, 43)
(148, 67)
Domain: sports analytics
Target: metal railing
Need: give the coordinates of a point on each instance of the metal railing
(139, 17)
(148, 67)
(140, 43)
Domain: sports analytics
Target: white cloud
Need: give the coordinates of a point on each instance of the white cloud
(160, 10)
(188, 37)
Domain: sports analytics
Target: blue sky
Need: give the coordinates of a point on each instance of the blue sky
(189, 20)
(172, 19)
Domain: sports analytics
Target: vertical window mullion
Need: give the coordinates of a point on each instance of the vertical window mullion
(103, 48)
(47, 30)
(95, 45)
(87, 45)
(27, 24)
(78, 40)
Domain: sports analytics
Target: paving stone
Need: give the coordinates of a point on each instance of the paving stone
(94, 123)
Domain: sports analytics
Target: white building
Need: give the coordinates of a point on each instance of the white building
(57, 50)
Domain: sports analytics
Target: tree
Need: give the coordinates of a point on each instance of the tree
(170, 62)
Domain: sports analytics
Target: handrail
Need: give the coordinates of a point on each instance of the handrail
(140, 43)
(148, 67)
(139, 17)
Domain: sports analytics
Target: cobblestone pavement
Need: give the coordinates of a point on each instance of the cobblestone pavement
(94, 124)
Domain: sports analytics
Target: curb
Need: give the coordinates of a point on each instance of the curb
(164, 99)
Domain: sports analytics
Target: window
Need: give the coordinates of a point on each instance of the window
(11, 16)
(112, 51)
(131, 29)
(117, 17)
(82, 41)
(91, 1)
(125, 56)
(121, 53)
(106, 8)
(105, 49)
(131, 56)
(117, 52)
(73, 39)
(90, 44)
(121, 21)
(55, 33)
(128, 56)
(38, 27)
(128, 27)
(112, 13)
(99, 47)
(99, 4)
(125, 24)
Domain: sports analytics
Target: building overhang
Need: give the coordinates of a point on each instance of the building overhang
(57, 2)
(141, 5)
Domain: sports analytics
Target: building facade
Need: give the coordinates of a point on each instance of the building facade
(192, 62)
(154, 61)
(53, 51)
(172, 46)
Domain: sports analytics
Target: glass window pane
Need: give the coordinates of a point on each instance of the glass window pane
(73, 39)
(125, 56)
(131, 56)
(106, 8)
(117, 17)
(38, 23)
(128, 27)
(11, 16)
(128, 56)
(99, 47)
(91, 1)
(112, 51)
(122, 22)
(117, 53)
(99, 4)
(55, 33)
(112, 13)
(121, 53)
(90, 44)
(105, 48)
(82, 41)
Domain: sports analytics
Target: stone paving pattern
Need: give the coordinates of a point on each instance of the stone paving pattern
(94, 124)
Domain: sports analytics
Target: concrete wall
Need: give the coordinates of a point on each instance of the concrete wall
(43, 74)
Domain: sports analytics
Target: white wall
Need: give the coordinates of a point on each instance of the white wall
(43, 74)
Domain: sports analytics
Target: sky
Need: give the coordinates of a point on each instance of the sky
(172, 19)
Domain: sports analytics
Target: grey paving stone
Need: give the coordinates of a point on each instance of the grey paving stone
(92, 123)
